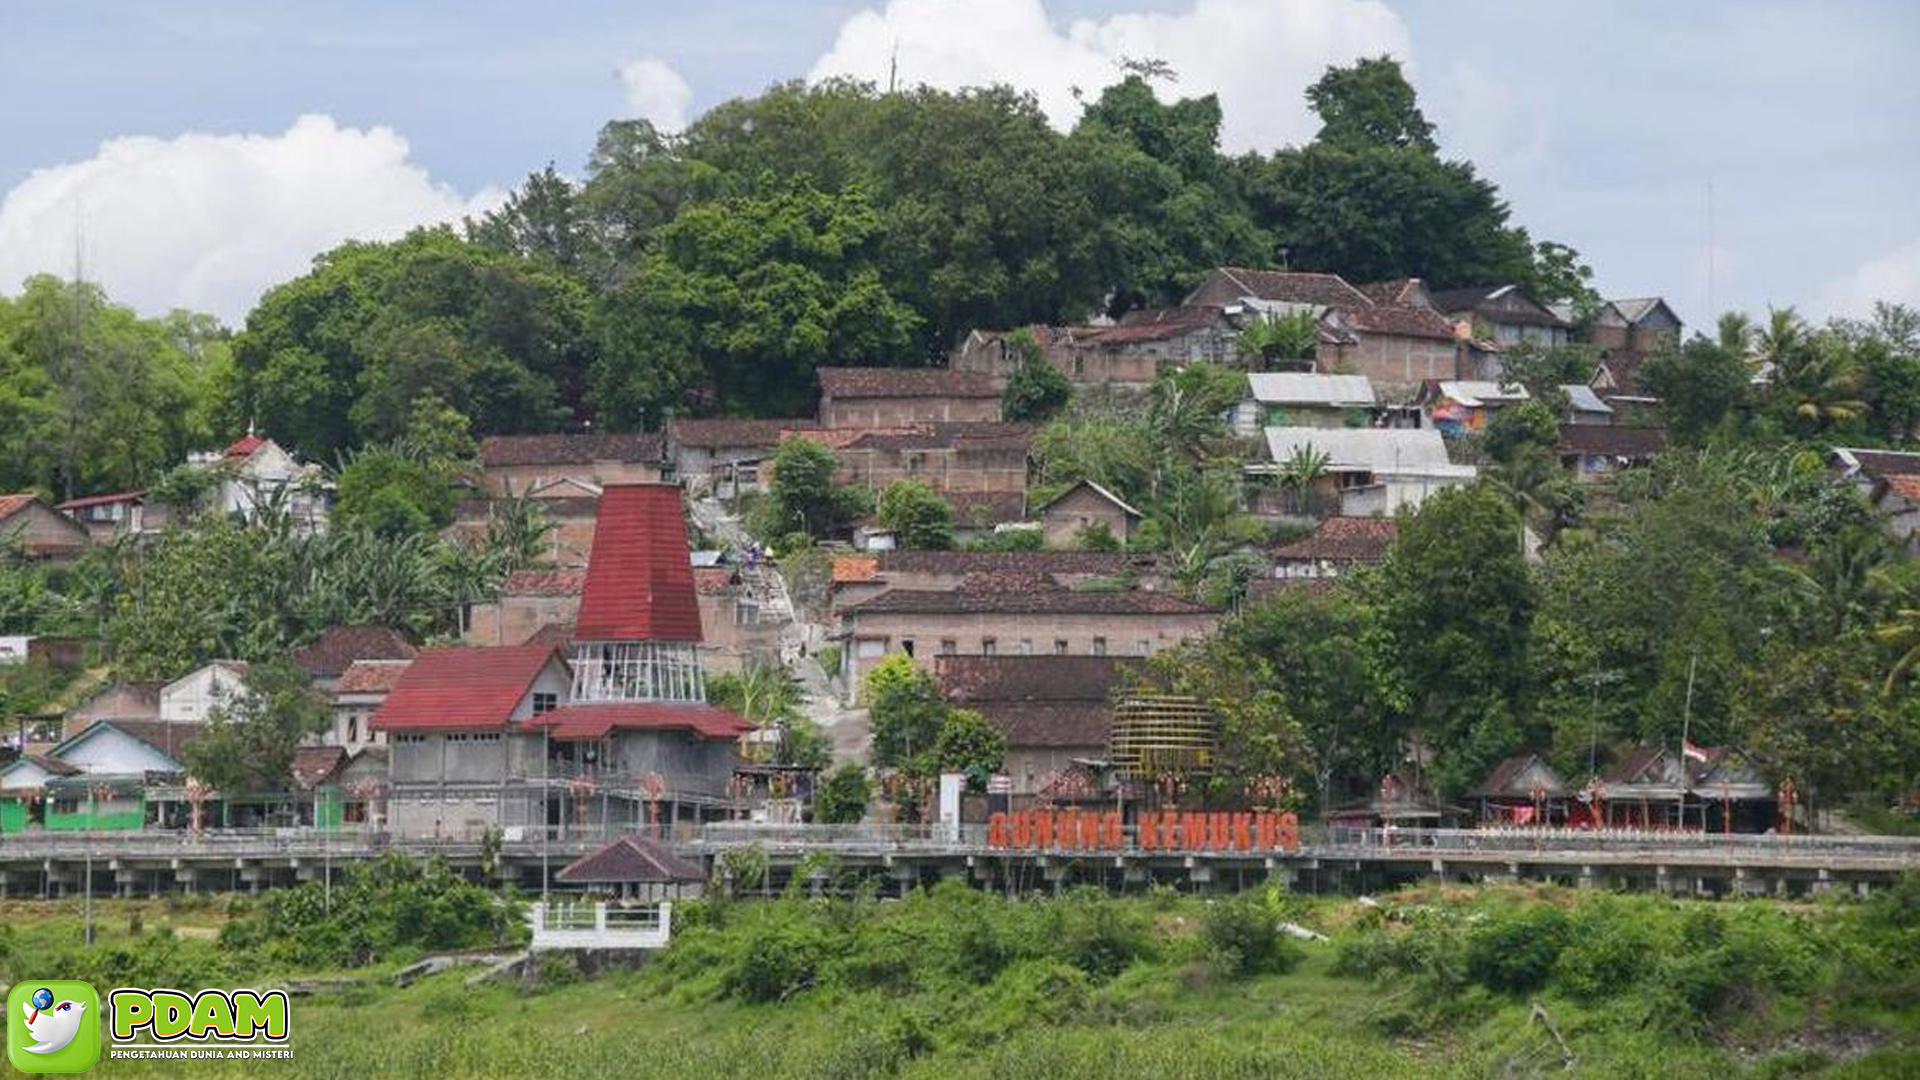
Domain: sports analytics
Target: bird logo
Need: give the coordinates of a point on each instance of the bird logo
(51, 1025)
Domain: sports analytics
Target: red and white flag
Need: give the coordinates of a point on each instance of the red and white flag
(1692, 751)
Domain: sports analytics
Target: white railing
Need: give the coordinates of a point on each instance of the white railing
(568, 925)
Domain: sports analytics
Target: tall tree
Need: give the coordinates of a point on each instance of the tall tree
(1370, 104)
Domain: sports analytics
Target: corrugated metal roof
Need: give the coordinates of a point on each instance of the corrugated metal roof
(1369, 449)
(1304, 388)
(639, 583)
(1583, 399)
(1481, 391)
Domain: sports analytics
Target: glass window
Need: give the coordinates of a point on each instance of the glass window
(1099, 646)
(989, 646)
(1059, 646)
(544, 702)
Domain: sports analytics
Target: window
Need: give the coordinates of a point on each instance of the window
(1099, 646)
(948, 646)
(544, 702)
(1142, 647)
(353, 727)
(989, 646)
(457, 737)
(487, 737)
(1025, 648)
(906, 645)
(408, 739)
(914, 461)
(1059, 646)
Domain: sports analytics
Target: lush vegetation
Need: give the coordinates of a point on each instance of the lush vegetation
(1440, 983)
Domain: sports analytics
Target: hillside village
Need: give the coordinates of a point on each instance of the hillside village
(1487, 549)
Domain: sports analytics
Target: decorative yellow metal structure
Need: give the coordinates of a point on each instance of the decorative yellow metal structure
(1157, 734)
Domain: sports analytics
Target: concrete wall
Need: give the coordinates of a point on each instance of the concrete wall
(518, 479)
(188, 699)
(1030, 766)
(1063, 520)
(1397, 365)
(873, 635)
(944, 470)
(511, 620)
(899, 411)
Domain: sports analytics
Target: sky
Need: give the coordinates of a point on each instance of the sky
(192, 153)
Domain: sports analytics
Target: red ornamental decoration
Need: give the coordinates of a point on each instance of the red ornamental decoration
(1167, 830)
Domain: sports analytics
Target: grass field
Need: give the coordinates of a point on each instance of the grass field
(952, 985)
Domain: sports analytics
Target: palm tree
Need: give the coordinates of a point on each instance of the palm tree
(1737, 333)
(1902, 633)
(1297, 474)
(1815, 374)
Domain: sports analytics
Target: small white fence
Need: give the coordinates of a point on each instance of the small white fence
(566, 925)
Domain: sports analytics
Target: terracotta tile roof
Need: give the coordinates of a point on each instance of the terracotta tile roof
(101, 500)
(1156, 324)
(13, 504)
(1907, 487)
(1326, 290)
(1395, 291)
(1623, 367)
(1343, 539)
(597, 719)
(1023, 594)
(1037, 562)
(853, 569)
(712, 580)
(631, 860)
(1055, 725)
(245, 446)
(462, 688)
(876, 382)
(544, 583)
(52, 765)
(313, 764)
(971, 679)
(371, 676)
(639, 583)
(1605, 440)
(499, 451)
(338, 647)
(1400, 320)
(725, 432)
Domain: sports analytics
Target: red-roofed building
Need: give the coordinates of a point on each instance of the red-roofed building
(639, 585)
(253, 470)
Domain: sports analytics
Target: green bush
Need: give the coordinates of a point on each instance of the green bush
(1515, 952)
(1243, 939)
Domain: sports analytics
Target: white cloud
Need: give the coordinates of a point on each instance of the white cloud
(656, 93)
(209, 222)
(1258, 55)
(1893, 277)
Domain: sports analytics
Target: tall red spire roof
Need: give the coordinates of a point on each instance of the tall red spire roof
(639, 577)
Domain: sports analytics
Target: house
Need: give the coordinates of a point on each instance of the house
(1457, 407)
(971, 464)
(1594, 452)
(1399, 801)
(739, 623)
(1504, 314)
(570, 516)
(534, 465)
(1585, 406)
(636, 868)
(1055, 711)
(724, 456)
(118, 701)
(1014, 614)
(1642, 326)
(1524, 790)
(1891, 480)
(1336, 546)
(1388, 333)
(1305, 399)
(324, 659)
(109, 517)
(357, 695)
(890, 397)
(529, 601)
(254, 470)
(39, 532)
(1369, 471)
(1127, 355)
(1711, 789)
(463, 754)
(114, 775)
(1066, 517)
(188, 699)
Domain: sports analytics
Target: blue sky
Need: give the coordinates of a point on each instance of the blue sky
(165, 133)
